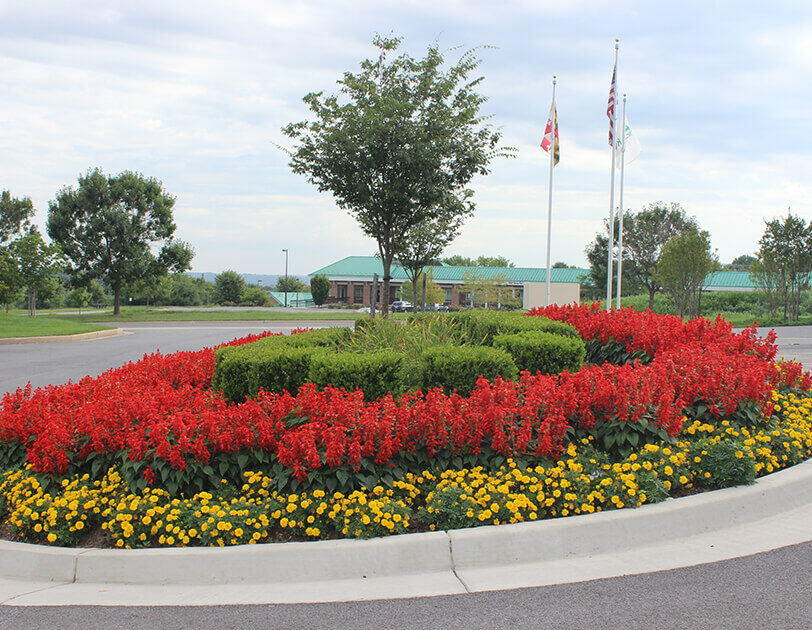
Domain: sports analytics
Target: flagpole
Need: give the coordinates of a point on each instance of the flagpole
(612, 196)
(554, 115)
(620, 209)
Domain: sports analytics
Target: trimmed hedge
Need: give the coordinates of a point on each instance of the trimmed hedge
(543, 352)
(241, 374)
(376, 373)
(284, 363)
(459, 367)
(483, 326)
(320, 338)
(276, 364)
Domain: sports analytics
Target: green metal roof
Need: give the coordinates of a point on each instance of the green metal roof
(731, 279)
(296, 299)
(366, 266)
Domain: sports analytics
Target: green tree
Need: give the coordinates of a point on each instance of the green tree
(644, 237)
(401, 138)
(493, 261)
(11, 282)
(741, 263)
(110, 227)
(481, 261)
(434, 294)
(254, 296)
(685, 262)
(188, 291)
(489, 290)
(14, 215)
(228, 287)
(38, 264)
(98, 295)
(319, 289)
(459, 261)
(785, 256)
(80, 298)
(597, 255)
(291, 284)
(425, 241)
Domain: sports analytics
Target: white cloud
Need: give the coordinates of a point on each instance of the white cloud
(195, 93)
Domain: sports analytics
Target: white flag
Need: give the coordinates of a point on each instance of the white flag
(633, 147)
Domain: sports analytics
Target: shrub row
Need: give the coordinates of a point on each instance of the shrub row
(277, 364)
(285, 363)
(543, 352)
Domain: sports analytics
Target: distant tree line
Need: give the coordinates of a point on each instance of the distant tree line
(665, 251)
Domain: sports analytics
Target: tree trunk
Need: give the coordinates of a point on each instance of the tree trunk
(423, 302)
(651, 292)
(116, 297)
(387, 267)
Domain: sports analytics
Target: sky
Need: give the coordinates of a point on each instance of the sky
(195, 94)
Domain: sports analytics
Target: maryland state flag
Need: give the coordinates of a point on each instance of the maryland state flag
(549, 131)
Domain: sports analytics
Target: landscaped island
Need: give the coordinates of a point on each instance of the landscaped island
(447, 421)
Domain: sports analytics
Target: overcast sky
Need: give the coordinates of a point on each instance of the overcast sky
(195, 94)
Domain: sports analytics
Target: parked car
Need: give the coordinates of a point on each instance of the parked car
(400, 306)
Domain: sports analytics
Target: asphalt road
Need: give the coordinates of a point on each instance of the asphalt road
(772, 589)
(55, 363)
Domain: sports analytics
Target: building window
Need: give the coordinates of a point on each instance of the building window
(358, 293)
(447, 296)
(342, 291)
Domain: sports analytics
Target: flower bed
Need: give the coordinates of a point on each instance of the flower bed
(151, 442)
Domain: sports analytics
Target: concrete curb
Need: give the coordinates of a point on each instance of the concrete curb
(428, 554)
(96, 334)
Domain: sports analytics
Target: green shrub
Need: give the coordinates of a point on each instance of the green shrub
(332, 337)
(241, 372)
(376, 373)
(254, 296)
(543, 352)
(722, 464)
(458, 368)
(482, 326)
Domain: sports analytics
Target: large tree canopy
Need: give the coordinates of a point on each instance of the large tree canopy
(645, 234)
(401, 137)
(111, 228)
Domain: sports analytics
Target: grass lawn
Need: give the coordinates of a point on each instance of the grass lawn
(147, 314)
(16, 325)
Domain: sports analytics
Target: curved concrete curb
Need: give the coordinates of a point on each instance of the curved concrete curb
(96, 334)
(725, 523)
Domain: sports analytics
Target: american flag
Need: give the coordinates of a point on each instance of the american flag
(610, 109)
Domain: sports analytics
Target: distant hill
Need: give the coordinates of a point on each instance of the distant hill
(268, 280)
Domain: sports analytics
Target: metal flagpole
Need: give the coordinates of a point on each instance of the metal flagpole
(612, 191)
(554, 116)
(620, 208)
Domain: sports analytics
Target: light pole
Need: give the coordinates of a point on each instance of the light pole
(286, 277)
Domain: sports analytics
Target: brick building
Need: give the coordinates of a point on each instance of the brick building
(351, 282)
